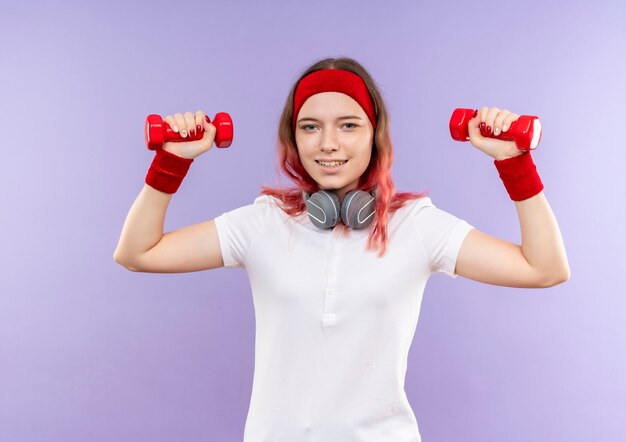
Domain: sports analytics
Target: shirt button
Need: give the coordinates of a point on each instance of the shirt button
(332, 273)
(330, 292)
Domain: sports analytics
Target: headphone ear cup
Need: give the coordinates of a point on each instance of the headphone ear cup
(357, 209)
(324, 209)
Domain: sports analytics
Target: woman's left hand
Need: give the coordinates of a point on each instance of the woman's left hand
(495, 121)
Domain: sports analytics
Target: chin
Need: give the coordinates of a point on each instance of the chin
(331, 185)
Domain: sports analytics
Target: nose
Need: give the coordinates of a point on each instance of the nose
(329, 140)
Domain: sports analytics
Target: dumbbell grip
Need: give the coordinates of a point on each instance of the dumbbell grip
(157, 132)
(525, 131)
(170, 135)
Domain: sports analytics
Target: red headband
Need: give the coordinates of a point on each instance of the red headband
(333, 80)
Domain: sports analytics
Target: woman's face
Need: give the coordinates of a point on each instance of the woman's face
(323, 134)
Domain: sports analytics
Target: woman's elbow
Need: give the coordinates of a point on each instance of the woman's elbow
(557, 279)
(124, 263)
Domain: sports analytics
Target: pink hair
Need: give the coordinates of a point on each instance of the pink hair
(377, 175)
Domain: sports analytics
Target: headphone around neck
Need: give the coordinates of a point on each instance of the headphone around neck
(356, 210)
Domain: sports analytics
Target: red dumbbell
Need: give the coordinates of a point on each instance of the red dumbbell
(158, 132)
(525, 131)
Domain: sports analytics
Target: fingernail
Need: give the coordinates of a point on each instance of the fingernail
(482, 126)
(183, 133)
(206, 117)
(475, 113)
(198, 127)
(175, 128)
(489, 129)
(495, 131)
(504, 128)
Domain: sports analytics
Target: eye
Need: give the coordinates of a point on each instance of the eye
(306, 126)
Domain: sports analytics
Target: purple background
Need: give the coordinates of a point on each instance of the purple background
(90, 351)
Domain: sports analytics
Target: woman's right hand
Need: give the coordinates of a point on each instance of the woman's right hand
(189, 123)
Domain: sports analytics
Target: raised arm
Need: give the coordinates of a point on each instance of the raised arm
(540, 261)
(143, 247)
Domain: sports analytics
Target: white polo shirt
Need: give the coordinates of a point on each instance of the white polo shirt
(334, 322)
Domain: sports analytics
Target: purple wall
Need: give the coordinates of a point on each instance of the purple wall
(92, 352)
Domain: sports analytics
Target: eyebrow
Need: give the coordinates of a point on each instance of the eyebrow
(340, 118)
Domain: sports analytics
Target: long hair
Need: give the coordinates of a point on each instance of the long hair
(377, 175)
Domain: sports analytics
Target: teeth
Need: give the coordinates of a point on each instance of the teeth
(331, 164)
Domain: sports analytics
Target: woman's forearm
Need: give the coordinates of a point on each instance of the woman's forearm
(143, 227)
(542, 245)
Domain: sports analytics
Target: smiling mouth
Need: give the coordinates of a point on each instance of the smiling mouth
(331, 164)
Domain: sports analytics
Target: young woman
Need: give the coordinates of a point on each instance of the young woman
(338, 263)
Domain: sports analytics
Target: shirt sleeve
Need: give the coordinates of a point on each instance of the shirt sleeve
(238, 229)
(442, 235)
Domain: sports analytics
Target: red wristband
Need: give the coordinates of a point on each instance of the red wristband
(167, 171)
(520, 177)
